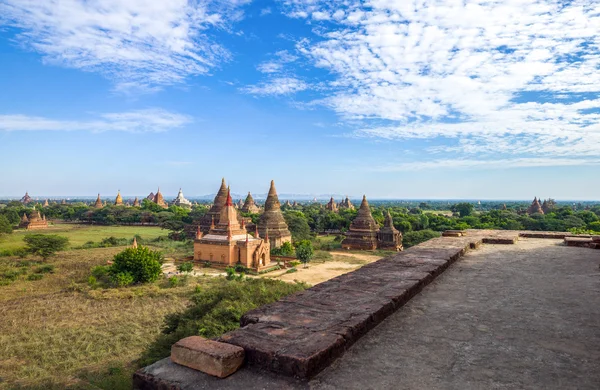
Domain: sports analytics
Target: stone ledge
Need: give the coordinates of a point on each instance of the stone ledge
(302, 334)
(211, 357)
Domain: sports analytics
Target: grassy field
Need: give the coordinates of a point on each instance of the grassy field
(56, 332)
(80, 234)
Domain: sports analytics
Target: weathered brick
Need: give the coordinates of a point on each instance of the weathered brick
(211, 357)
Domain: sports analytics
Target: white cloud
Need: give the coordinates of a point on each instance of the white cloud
(277, 86)
(516, 77)
(269, 67)
(265, 11)
(475, 164)
(134, 42)
(140, 121)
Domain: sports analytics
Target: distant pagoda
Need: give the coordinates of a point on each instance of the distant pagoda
(150, 197)
(34, 222)
(272, 223)
(136, 202)
(46, 204)
(181, 201)
(363, 230)
(331, 205)
(159, 200)
(214, 213)
(346, 204)
(535, 208)
(98, 203)
(119, 199)
(249, 205)
(389, 237)
(26, 199)
(64, 201)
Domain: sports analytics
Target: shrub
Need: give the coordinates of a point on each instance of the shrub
(173, 281)
(304, 251)
(291, 270)
(45, 269)
(207, 264)
(286, 249)
(100, 271)
(241, 268)
(294, 263)
(35, 276)
(122, 279)
(92, 281)
(231, 274)
(45, 245)
(188, 266)
(416, 237)
(216, 310)
(11, 275)
(141, 263)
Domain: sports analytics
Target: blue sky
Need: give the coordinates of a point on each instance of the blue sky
(495, 99)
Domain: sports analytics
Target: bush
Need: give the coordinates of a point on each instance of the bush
(231, 274)
(173, 281)
(45, 269)
(286, 249)
(241, 268)
(207, 264)
(416, 237)
(122, 279)
(35, 276)
(294, 263)
(141, 263)
(10, 275)
(304, 251)
(216, 310)
(92, 281)
(188, 266)
(100, 271)
(291, 270)
(45, 245)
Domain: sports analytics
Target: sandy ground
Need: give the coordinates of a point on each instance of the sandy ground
(343, 262)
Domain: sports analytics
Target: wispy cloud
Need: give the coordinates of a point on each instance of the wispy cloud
(518, 77)
(136, 43)
(277, 86)
(475, 164)
(140, 121)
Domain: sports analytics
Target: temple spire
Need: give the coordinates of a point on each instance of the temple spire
(135, 244)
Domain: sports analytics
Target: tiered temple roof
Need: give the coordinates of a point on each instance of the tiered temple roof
(119, 199)
(228, 242)
(35, 221)
(272, 220)
(64, 201)
(249, 205)
(26, 199)
(159, 200)
(46, 204)
(346, 204)
(150, 197)
(535, 208)
(389, 237)
(331, 206)
(98, 203)
(181, 201)
(136, 202)
(363, 230)
(215, 211)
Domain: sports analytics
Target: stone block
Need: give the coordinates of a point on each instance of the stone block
(211, 357)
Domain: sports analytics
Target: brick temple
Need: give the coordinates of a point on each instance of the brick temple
(271, 221)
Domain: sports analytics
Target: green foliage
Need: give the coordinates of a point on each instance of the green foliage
(20, 252)
(413, 238)
(188, 266)
(291, 270)
(594, 226)
(298, 225)
(92, 281)
(304, 251)
(100, 271)
(5, 225)
(122, 279)
(464, 209)
(174, 281)
(141, 263)
(45, 245)
(294, 263)
(217, 310)
(35, 276)
(45, 269)
(241, 268)
(286, 249)
(231, 274)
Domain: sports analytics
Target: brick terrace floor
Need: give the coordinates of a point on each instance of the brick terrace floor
(504, 316)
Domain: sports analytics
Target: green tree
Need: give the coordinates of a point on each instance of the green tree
(304, 251)
(45, 245)
(188, 266)
(5, 225)
(298, 225)
(143, 264)
(464, 209)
